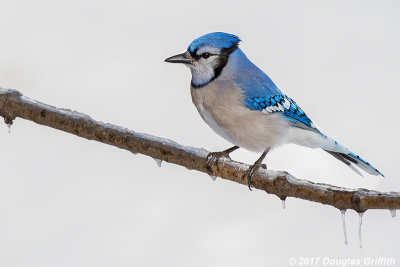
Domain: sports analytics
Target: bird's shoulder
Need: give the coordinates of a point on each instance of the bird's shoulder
(254, 82)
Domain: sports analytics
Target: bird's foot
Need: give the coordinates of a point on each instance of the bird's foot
(253, 168)
(251, 171)
(213, 157)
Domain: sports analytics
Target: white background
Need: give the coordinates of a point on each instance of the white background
(66, 201)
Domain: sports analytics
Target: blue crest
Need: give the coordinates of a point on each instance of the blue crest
(215, 39)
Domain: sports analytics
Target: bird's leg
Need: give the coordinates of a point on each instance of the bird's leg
(253, 168)
(213, 157)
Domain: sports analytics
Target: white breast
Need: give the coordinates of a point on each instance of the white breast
(213, 124)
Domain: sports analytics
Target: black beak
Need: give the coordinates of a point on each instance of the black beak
(181, 58)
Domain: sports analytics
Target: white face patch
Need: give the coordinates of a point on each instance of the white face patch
(203, 68)
(201, 74)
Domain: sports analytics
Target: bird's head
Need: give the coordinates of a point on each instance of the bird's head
(207, 55)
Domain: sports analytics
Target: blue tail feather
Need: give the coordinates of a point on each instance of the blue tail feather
(351, 158)
(358, 160)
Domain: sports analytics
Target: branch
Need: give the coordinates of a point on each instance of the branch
(13, 104)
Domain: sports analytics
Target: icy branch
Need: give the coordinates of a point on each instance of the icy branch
(13, 104)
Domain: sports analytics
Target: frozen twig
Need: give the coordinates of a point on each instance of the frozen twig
(13, 104)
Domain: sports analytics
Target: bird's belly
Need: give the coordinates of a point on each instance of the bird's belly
(246, 128)
(208, 118)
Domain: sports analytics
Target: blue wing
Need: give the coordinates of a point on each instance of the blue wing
(262, 94)
(282, 103)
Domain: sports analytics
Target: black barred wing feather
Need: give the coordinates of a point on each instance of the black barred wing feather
(284, 104)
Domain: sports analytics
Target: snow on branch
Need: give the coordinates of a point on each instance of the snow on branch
(13, 104)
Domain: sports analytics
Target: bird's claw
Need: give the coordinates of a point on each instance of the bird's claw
(214, 157)
(250, 173)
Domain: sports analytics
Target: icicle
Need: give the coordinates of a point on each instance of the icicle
(213, 177)
(9, 122)
(393, 213)
(283, 199)
(360, 215)
(159, 161)
(343, 212)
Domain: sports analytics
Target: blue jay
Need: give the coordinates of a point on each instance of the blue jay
(244, 106)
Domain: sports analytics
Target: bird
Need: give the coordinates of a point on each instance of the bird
(245, 107)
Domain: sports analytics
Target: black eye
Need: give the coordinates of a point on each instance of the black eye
(205, 55)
